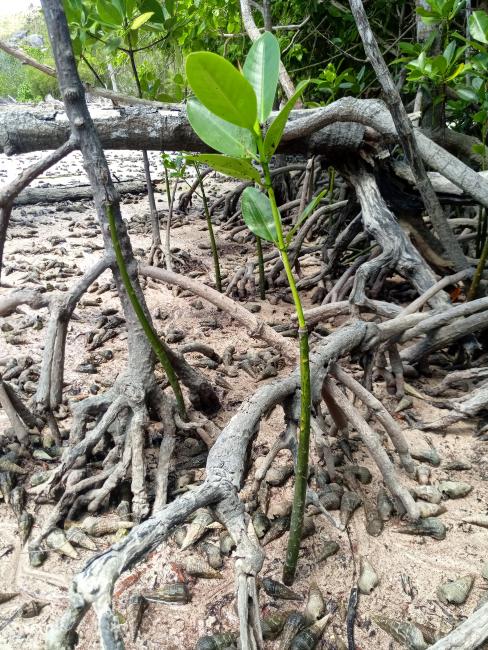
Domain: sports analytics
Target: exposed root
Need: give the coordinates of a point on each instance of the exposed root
(50, 386)
(226, 467)
(377, 452)
(186, 197)
(469, 406)
(18, 425)
(397, 250)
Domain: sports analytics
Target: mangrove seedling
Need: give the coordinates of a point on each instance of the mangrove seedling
(229, 113)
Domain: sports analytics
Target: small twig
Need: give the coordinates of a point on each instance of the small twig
(351, 618)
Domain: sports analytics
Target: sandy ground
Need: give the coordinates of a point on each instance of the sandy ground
(42, 233)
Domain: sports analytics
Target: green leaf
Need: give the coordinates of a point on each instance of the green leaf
(219, 134)
(155, 7)
(480, 149)
(257, 214)
(140, 20)
(109, 13)
(478, 26)
(236, 167)
(222, 88)
(275, 131)
(466, 93)
(461, 68)
(261, 69)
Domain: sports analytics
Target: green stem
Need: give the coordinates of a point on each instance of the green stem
(301, 469)
(262, 280)
(213, 243)
(151, 335)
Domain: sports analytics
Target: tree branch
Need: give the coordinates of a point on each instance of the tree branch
(407, 139)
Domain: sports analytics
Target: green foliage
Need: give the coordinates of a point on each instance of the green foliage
(258, 215)
(440, 10)
(275, 131)
(222, 89)
(456, 77)
(119, 27)
(236, 167)
(478, 26)
(218, 133)
(261, 69)
(25, 84)
(440, 69)
(334, 84)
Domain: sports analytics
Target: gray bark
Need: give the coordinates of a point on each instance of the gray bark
(25, 129)
(354, 120)
(33, 195)
(407, 138)
(81, 126)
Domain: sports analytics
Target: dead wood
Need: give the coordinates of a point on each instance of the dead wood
(50, 386)
(406, 136)
(397, 250)
(33, 195)
(469, 635)
(36, 299)
(255, 326)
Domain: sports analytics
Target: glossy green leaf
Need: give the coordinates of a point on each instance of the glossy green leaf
(222, 88)
(219, 134)
(236, 167)
(156, 7)
(275, 131)
(109, 13)
(467, 93)
(140, 20)
(478, 26)
(261, 69)
(257, 214)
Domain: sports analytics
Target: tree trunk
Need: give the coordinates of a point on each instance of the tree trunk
(23, 130)
(141, 361)
(33, 195)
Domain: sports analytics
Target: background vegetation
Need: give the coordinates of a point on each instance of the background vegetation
(450, 65)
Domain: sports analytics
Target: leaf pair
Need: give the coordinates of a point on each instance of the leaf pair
(240, 99)
(229, 103)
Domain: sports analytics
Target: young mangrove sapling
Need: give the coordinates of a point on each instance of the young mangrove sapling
(229, 114)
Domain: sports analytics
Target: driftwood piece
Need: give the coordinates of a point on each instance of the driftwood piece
(72, 193)
(467, 636)
(23, 130)
(32, 297)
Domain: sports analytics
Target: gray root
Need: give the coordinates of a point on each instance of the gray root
(50, 386)
(375, 449)
(397, 250)
(226, 466)
(469, 635)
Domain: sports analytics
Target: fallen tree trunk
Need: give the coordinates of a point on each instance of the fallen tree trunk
(72, 193)
(25, 129)
(347, 124)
